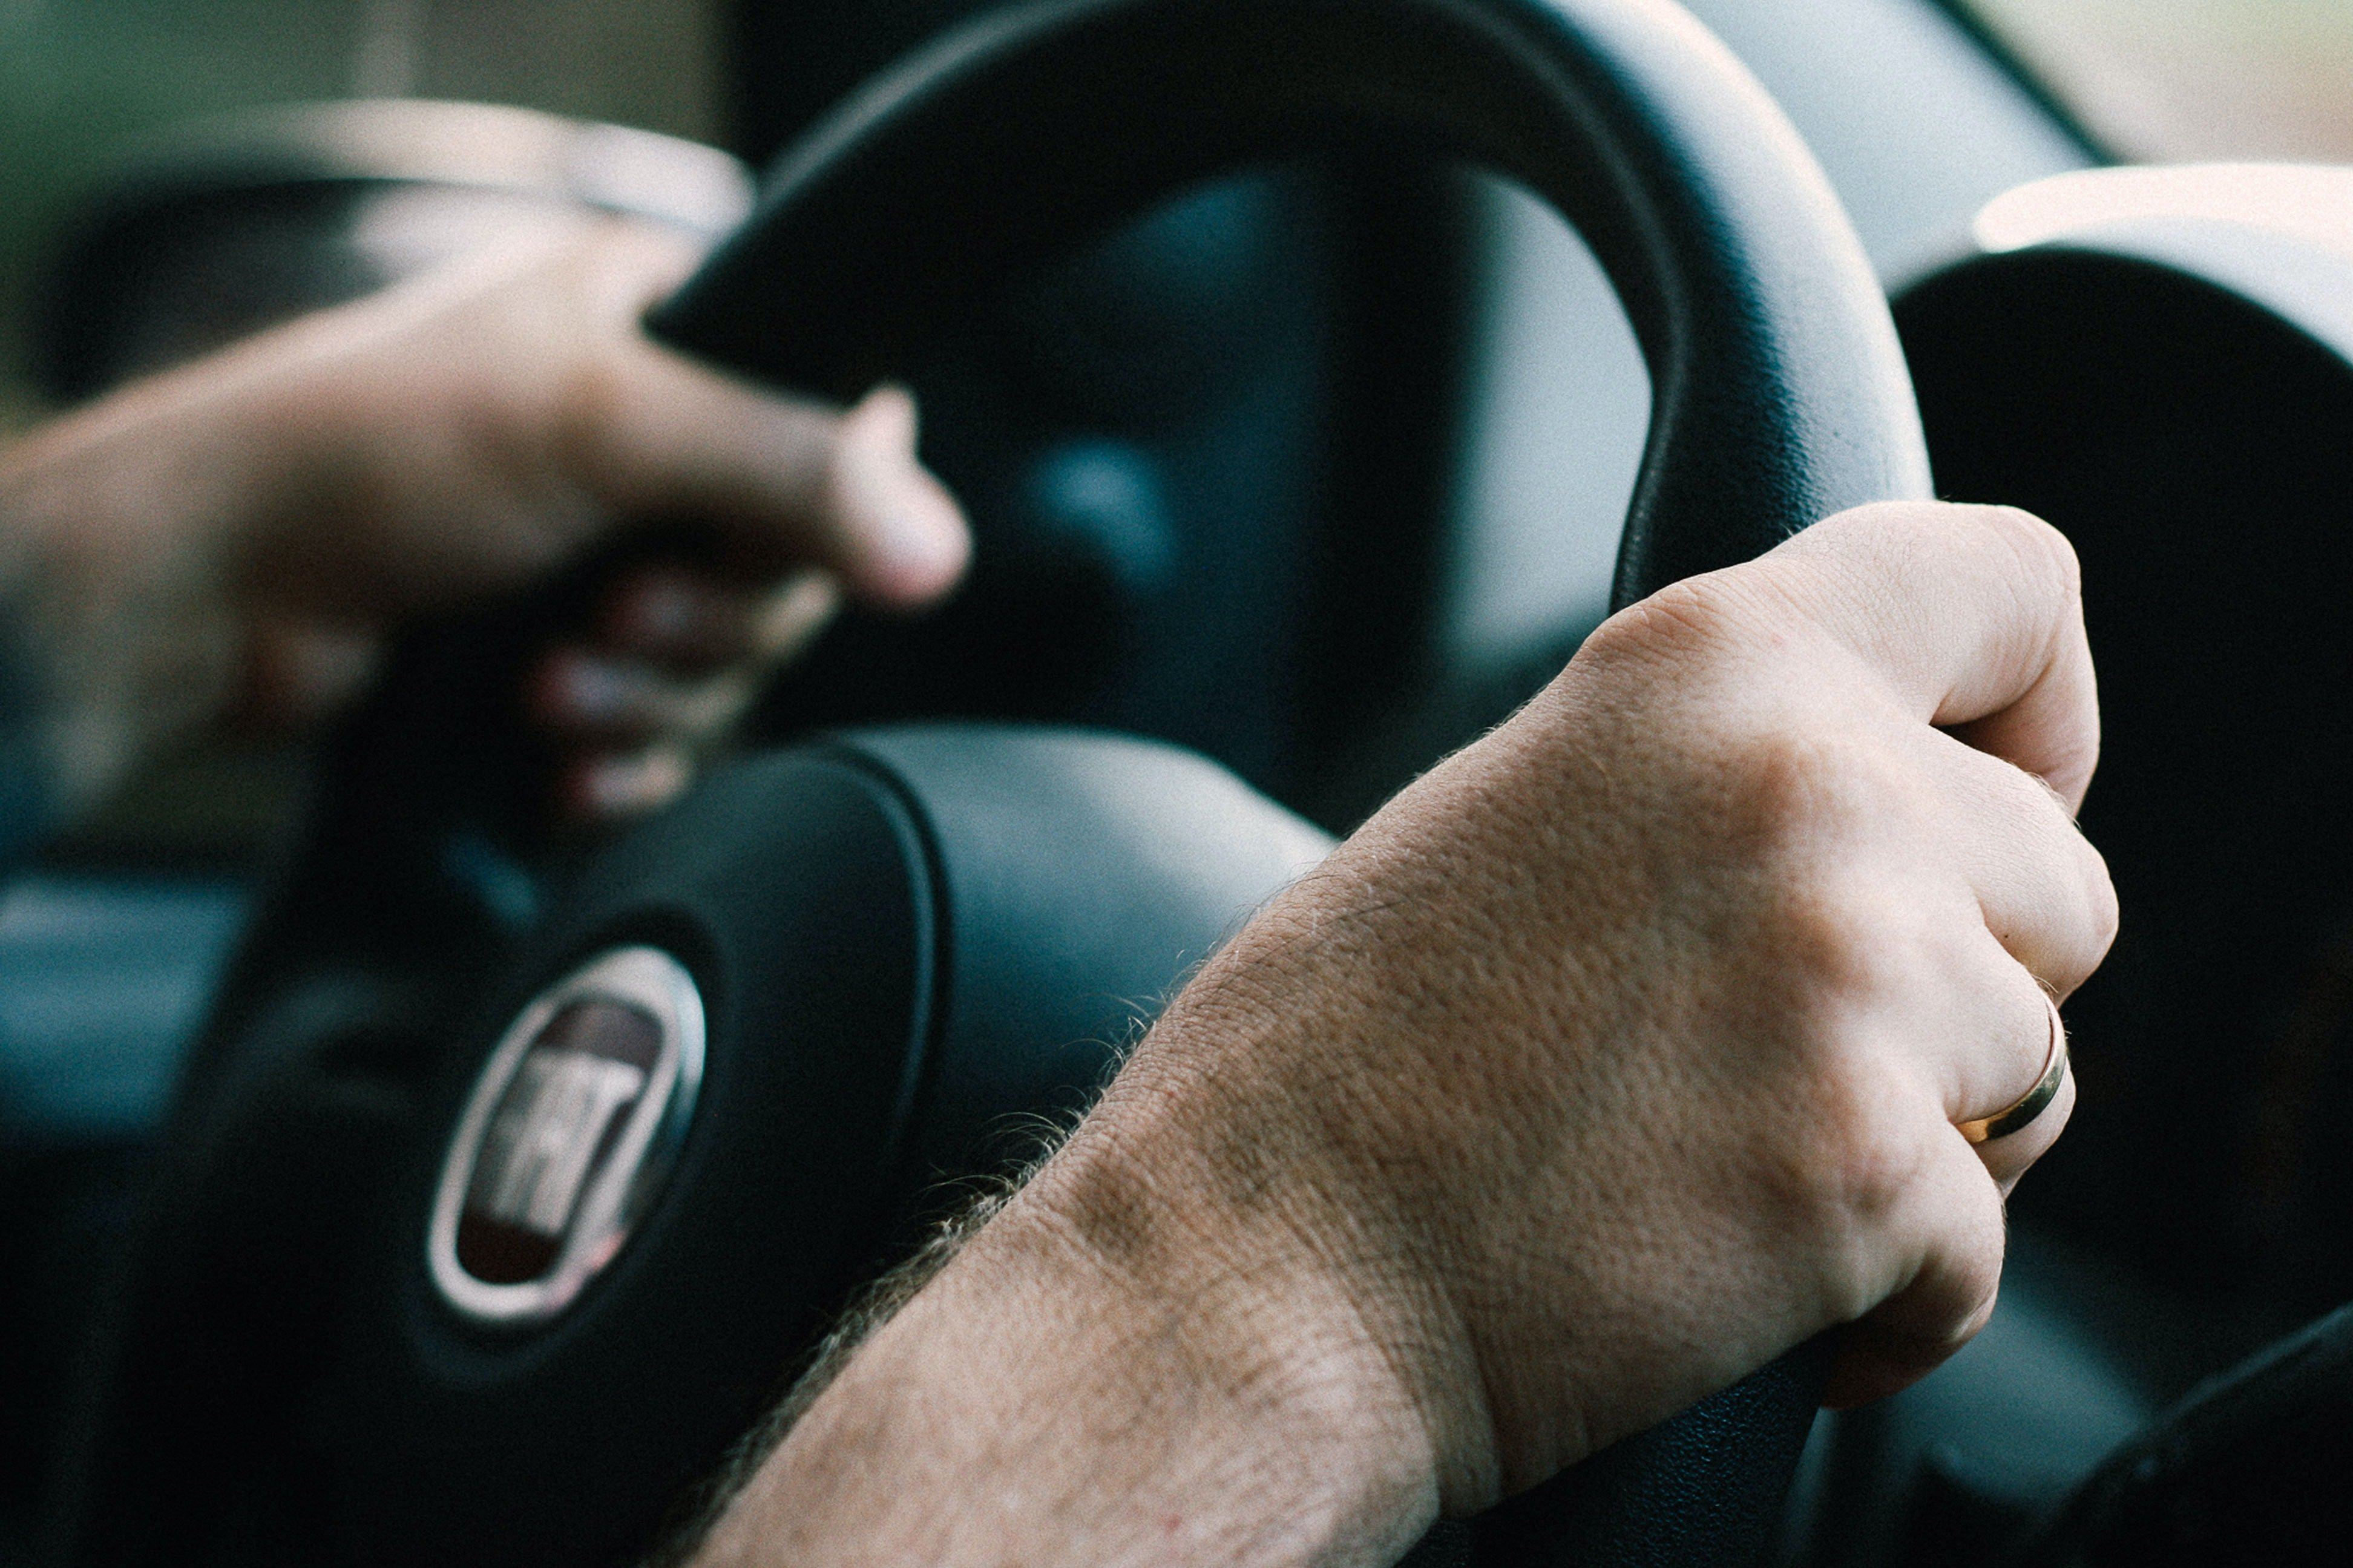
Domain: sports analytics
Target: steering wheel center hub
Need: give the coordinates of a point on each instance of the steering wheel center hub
(566, 1137)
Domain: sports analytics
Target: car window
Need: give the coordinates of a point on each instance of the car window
(84, 82)
(2175, 81)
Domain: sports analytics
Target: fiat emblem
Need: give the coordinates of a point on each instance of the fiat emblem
(567, 1137)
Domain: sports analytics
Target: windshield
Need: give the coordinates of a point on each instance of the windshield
(2174, 80)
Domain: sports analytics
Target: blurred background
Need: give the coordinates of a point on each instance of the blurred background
(2175, 81)
(84, 83)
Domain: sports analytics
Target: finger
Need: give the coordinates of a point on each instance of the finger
(2004, 1042)
(2043, 889)
(2007, 1159)
(298, 670)
(1950, 1293)
(791, 482)
(684, 620)
(585, 696)
(1972, 615)
(690, 622)
(608, 787)
(906, 541)
(791, 616)
(1969, 1026)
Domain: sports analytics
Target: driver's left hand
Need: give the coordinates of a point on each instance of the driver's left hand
(235, 537)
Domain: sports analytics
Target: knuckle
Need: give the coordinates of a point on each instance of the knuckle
(1809, 792)
(1834, 947)
(2101, 912)
(1828, 955)
(1854, 1161)
(1700, 617)
(2081, 897)
(1868, 1169)
(2107, 911)
(1833, 937)
(2042, 552)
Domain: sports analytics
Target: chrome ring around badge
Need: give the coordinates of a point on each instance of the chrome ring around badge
(566, 1138)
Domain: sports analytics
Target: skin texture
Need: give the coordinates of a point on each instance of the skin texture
(233, 539)
(1619, 1052)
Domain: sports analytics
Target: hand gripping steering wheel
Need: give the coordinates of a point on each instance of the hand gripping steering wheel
(708, 1093)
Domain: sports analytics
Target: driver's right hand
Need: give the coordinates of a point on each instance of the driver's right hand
(235, 537)
(1619, 1054)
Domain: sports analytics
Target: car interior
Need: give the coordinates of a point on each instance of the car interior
(1286, 481)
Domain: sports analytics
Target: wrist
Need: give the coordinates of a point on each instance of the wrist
(1244, 1144)
(1104, 1378)
(1259, 1309)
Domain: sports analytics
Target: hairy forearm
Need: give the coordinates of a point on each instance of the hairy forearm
(1049, 1398)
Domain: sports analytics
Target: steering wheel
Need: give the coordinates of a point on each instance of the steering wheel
(667, 1128)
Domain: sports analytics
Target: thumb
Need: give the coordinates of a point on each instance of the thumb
(901, 538)
(791, 481)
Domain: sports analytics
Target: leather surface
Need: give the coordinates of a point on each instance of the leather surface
(1706, 1487)
(1084, 877)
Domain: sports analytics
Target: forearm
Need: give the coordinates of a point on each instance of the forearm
(334, 473)
(1056, 1396)
(116, 567)
(145, 537)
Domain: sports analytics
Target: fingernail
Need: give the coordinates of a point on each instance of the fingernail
(793, 615)
(582, 688)
(918, 536)
(630, 786)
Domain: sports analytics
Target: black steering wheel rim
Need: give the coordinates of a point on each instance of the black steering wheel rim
(1779, 393)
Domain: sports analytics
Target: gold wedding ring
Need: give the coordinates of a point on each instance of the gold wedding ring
(2034, 1101)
